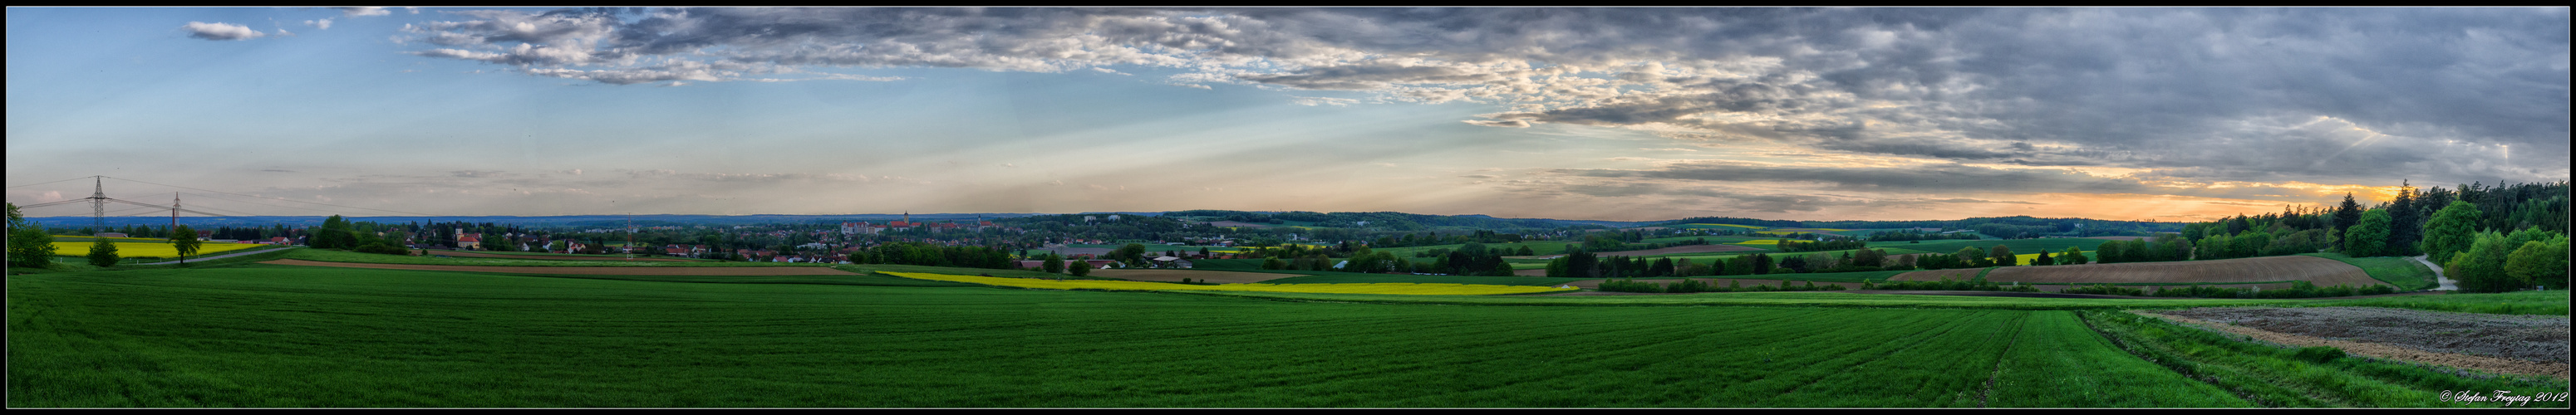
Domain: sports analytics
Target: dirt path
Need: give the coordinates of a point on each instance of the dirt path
(2526, 345)
(2447, 283)
(712, 271)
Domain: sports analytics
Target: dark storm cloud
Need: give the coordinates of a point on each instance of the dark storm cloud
(1926, 179)
(2347, 95)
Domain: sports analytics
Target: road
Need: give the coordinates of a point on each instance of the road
(235, 254)
(2447, 283)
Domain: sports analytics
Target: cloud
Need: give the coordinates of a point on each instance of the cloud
(2215, 94)
(1919, 179)
(220, 31)
(666, 174)
(1317, 101)
(324, 24)
(366, 11)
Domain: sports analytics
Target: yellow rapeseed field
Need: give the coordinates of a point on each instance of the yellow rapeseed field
(130, 249)
(1362, 288)
(2024, 259)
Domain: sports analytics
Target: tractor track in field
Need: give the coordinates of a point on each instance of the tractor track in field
(2011, 339)
(2177, 367)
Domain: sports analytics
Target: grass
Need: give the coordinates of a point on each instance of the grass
(1778, 299)
(2398, 271)
(1346, 278)
(270, 336)
(1404, 288)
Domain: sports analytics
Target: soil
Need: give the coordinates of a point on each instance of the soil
(547, 257)
(1175, 275)
(2517, 344)
(664, 271)
(1961, 274)
(2320, 271)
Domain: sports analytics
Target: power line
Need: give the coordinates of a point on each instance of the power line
(266, 197)
(51, 182)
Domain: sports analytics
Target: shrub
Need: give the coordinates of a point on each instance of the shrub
(102, 253)
(2319, 354)
(2105, 289)
(1628, 286)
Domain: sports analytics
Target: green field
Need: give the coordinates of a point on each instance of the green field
(254, 335)
(2404, 273)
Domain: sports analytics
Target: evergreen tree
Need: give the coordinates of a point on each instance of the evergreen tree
(2346, 214)
(2406, 217)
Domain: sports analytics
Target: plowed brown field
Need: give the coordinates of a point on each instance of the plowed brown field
(666, 271)
(1684, 249)
(1962, 274)
(550, 257)
(1175, 275)
(2320, 271)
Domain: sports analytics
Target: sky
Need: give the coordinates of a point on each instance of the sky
(1633, 114)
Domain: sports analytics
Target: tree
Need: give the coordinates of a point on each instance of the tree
(2480, 268)
(2542, 262)
(1129, 253)
(2074, 256)
(29, 246)
(2369, 237)
(1055, 263)
(1081, 268)
(2004, 256)
(2346, 214)
(2450, 231)
(102, 253)
(1976, 258)
(2043, 259)
(185, 241)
